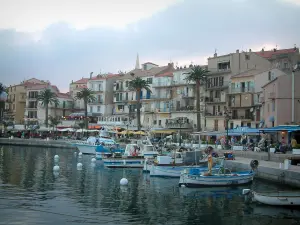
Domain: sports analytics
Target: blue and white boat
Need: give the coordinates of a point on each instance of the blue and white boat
(194, 178)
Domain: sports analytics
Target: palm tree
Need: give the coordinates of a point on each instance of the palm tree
(47, 97)
(54, 121)
(199, 76)
(137, 85)
(87, 95)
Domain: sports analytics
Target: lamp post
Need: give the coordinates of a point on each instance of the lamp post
(180, 122)
(227, 118)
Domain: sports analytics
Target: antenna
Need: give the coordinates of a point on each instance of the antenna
(216, 50)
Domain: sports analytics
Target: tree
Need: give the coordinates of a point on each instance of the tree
(54, 121)
(137, 85)
(47, 97)
(87, 95)
(199, 76)
(2, 103)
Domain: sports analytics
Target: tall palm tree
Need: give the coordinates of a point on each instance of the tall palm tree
(47, 97)
(137, 85)
(199, 76)
(87, 95)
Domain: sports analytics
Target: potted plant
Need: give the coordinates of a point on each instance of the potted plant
(296, 149)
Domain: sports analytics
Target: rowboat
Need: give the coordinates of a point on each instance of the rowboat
(278, 198)
(193, 178)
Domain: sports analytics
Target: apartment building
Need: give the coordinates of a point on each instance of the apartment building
(277, 104)
(215, 93)
(35, 111)
(16, 100)
(76, 87)
(102, 85)
(124, 99)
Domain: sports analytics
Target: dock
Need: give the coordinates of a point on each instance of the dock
(37, 143)
(268, 170)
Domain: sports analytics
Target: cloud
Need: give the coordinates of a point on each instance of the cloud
(182, 32)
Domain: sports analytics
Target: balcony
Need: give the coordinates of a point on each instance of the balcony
(183, 109)
(208, 114)
(222, 85)
(161, 84)
(236, 117)
(156, 97)
(31, 108)
(272, 95)
(241, 90)
(175, 125)
(163, 110)
(210, 100)
(189, 94)
(148, 109)
(97, 102)
(119, 89)
(219, 71)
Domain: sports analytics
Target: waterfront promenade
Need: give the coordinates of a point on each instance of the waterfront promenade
(37, 143)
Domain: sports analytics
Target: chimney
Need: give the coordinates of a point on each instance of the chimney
(171, 65)
(274, 49)
(215, 55)
(250, 50)
(237, 51)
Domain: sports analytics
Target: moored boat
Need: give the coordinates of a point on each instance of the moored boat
(278, 198)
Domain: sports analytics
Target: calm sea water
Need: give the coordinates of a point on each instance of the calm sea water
(30, 193)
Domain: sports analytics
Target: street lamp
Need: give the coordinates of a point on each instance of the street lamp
(227, 118)
(180, 122)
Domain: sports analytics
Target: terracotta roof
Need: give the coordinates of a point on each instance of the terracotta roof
(81, 81)
(104, 77)
(63, 95)
(166, 74)
(270, 54)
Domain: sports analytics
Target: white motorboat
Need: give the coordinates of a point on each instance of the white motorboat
(279, 198)
(134, 156)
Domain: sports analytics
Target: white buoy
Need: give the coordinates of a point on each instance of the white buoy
(56, 168)
(79, 166)
(93, 160)
(80, 154)
(183, 186)
(123, 181)
(75, 153)
(56, 158)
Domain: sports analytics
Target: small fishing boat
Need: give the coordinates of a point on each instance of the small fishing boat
(278, 198)
(134, 156)
(222, 177)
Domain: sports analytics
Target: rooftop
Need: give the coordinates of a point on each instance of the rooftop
(271, 53)
(247, 73)
(81, 81)
(166, 74)
(104, 76)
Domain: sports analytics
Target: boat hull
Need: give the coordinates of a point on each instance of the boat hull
(189, 180)
(124, 163)
(173, 171)
(279, 199)
(87, 149)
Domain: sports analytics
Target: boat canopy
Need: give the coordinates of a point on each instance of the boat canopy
(288, 128)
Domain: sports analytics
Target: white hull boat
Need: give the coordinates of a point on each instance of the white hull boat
(173, 171)
(199, 180)
(124, 163)
(86, 148)
(280, 198)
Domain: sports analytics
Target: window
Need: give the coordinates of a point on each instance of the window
(91, 109)
(273, 105)
(126, 96)
(268, 107)
(269, 75)
(98, 108)
(14, 106)
(149, 80)
(32, 114)
(154, 122)
(126, 83)
(285, 65)
(100, 87)
(247, 57)
(159, 122)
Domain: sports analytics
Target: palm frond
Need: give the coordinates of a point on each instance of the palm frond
(197, 74)
(86, 94)
(139, 84)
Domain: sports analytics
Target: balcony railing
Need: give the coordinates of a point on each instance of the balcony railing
(182, 108)
(213, 100)
(161, 96)
(241, 90)
(119, 88)
(96, 102)
(241, 118)
(272, 95)
(178, 126)
(219, 71)
(220, 85)
(161, 84)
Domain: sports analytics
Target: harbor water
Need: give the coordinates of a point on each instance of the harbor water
(32, 193)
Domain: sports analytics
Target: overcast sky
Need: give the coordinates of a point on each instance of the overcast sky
(65, 40)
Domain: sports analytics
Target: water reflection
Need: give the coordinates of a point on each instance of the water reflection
(31, 192)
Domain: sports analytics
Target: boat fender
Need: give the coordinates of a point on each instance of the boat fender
(246, 191)
(254, 164)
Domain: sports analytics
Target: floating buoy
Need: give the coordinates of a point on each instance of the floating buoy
(123, 181)
(79, 166)
(75, 153)
(80, 154)
(56, 157)
(183, 186)
(56, 168)
(93, 160)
